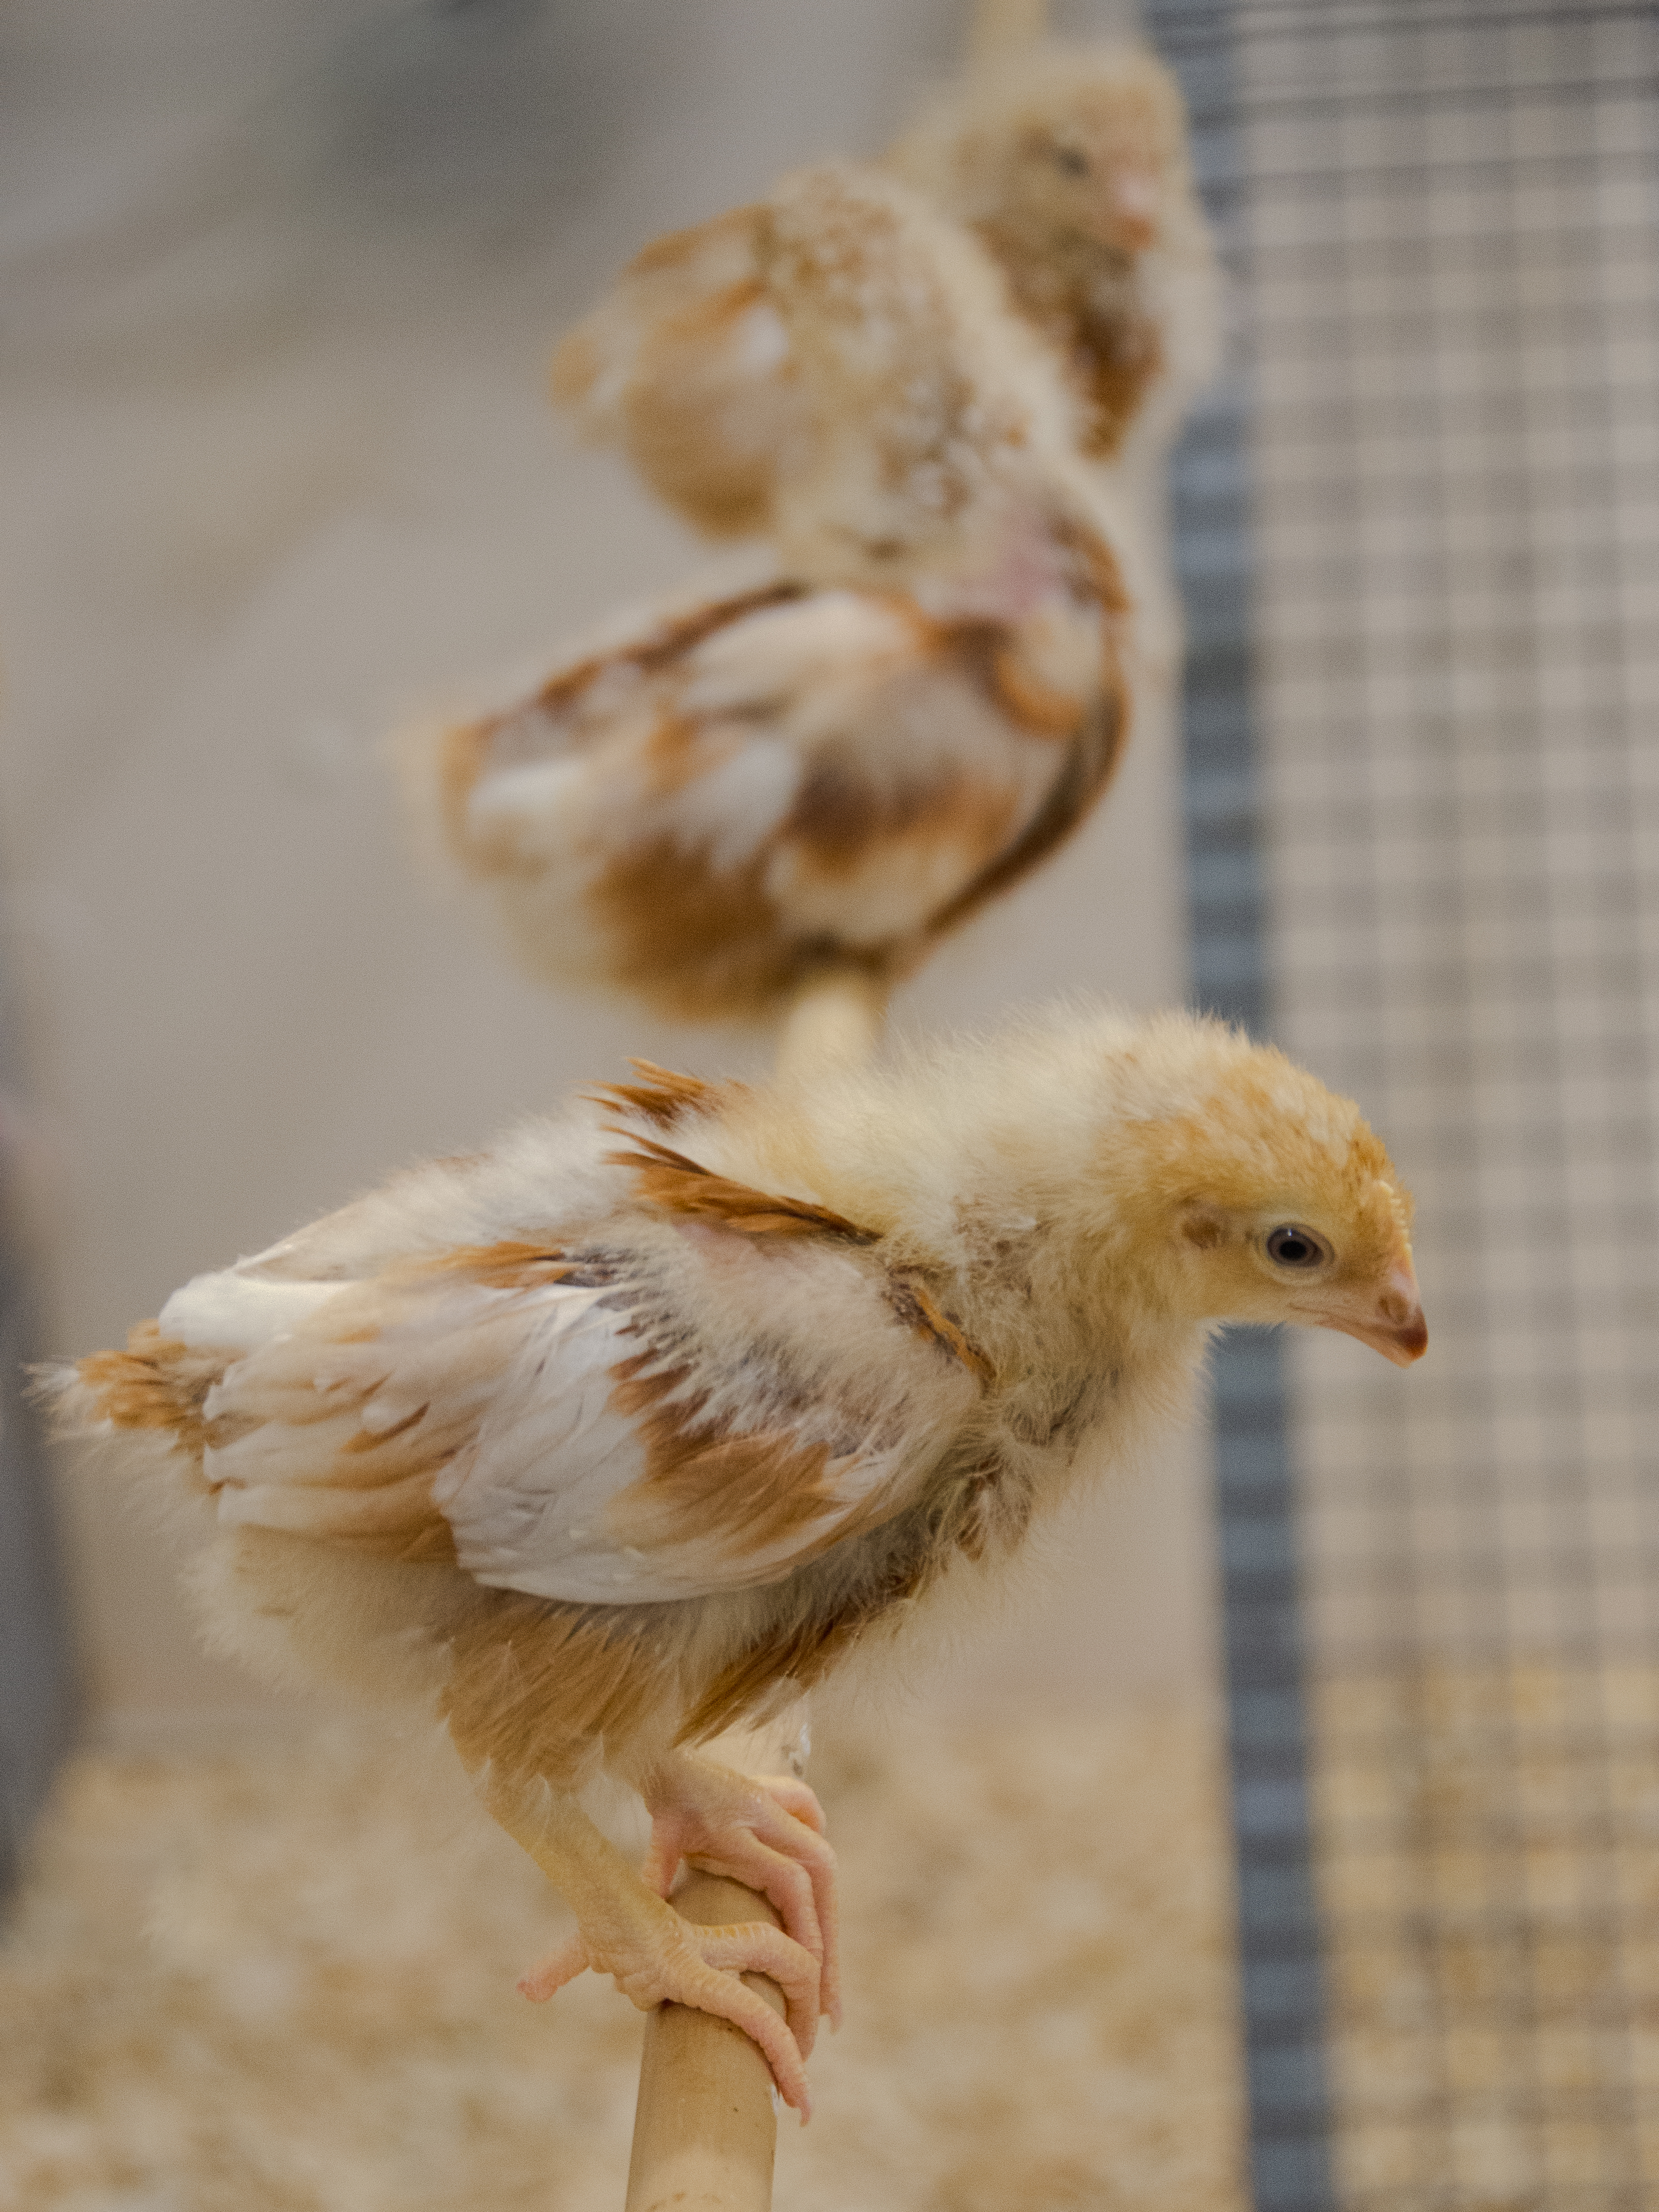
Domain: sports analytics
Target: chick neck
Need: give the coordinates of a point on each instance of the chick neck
(1019, 1179)
(1022, 535)
(935, 428)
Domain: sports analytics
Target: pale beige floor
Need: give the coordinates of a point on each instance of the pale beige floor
(283, 1979)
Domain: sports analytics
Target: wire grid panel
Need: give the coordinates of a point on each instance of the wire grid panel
(1278, 1923)
(1450, 231)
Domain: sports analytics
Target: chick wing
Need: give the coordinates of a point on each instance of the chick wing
(562, 1416)
(686, 365)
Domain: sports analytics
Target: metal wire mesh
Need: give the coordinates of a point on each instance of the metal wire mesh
(1445, 223)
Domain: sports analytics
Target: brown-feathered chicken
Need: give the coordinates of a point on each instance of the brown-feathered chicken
(728, 798)
(640, 1422)
(1072, 166)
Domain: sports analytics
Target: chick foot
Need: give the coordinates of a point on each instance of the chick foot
(626, 1929)
(657, 1958)
(764, 1830)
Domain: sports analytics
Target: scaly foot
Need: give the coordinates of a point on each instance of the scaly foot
(657, 1958)
(765, 1831)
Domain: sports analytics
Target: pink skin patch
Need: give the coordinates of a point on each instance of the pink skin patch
(1028, 573)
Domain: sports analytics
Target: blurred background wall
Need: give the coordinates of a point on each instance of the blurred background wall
(278, 286)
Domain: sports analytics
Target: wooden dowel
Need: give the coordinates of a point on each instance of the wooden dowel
(835, 1022)
(705, 2129)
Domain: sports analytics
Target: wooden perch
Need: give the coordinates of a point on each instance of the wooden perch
(705, 2128)
(836, 1022)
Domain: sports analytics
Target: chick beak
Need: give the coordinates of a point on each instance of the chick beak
(1392, 1322)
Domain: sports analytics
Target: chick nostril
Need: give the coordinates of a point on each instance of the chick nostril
(1396, 1311)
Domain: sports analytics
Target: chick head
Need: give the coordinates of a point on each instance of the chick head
(1064, 147)
(1262, 1196)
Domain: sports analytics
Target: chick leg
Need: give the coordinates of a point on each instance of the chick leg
(626, 1929)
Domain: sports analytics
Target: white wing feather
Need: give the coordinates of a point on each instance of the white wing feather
(496, 1408)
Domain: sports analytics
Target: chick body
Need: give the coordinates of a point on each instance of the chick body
(637, 1424)
(1071, 165)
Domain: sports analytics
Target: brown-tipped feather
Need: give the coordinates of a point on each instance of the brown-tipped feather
(470, 747)
(699, 941)
(536, 1683)
(388, 1512)
(667, 640)
(980, 1503)
(155, 1384)
(801, 1655)
(839, 820)
(916, 1307)
(510, 1265)
(664, 1095)
(677, 1185)
(702, 1482)
(1090, 767)
(1041, 710)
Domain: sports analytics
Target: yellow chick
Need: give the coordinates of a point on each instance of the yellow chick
(638, 1424)
(724, 801)
(1071, 165)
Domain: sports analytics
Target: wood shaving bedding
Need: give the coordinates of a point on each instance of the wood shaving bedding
(282, 1981)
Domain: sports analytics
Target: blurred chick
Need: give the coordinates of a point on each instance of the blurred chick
(1072, 165)
(732, 799)
(640, 1422)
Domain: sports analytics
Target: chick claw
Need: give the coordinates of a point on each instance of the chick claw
(662, 1959)
(764, 1830)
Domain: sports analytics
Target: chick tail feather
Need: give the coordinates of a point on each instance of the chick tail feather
(153, 1391)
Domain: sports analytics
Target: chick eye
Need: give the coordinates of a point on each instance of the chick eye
(1290, 1246)
(1073, 163)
